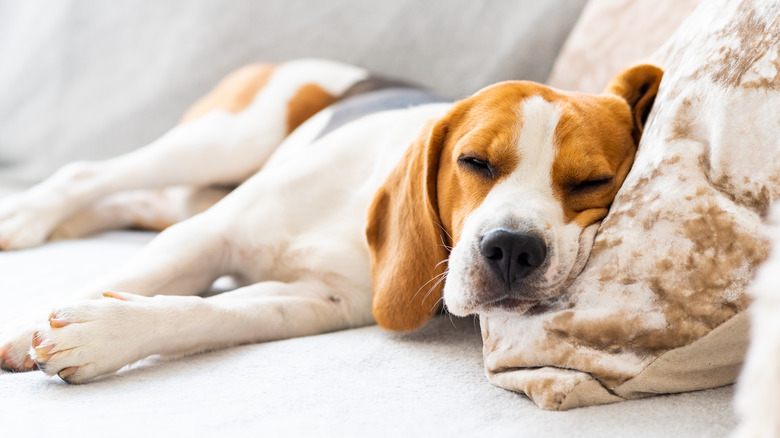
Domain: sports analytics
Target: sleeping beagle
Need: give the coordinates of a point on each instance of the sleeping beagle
(341, 182)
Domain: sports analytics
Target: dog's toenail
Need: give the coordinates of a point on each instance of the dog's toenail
(42, 353)
(67, 372)
(58, 323)
(115, 295)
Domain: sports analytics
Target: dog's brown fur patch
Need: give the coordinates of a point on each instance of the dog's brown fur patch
(234, 93)
(308, 100)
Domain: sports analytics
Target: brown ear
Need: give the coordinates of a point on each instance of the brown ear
(638, 85)
(405, 237)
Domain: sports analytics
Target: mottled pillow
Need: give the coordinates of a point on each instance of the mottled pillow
(659, 306)
(611, 34)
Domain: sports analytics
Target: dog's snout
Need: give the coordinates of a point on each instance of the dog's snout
(512, 255)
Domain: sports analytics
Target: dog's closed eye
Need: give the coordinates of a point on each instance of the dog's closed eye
(590, 184)
(477, 164)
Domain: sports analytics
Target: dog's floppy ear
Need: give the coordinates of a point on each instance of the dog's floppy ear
(405, 237)
(638, 85)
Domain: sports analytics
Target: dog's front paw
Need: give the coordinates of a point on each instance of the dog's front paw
(91, 338)
(25, 221)
(15, 346)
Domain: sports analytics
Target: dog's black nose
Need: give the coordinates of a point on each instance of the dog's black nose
(512, 255)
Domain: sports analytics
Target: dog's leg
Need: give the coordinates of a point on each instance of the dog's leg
(151, 210)
(97, 337)
(184, 259)
(213, 146)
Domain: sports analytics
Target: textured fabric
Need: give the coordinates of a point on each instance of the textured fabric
(90, 79)
(611, 35)
(681, 243)
(361, 382)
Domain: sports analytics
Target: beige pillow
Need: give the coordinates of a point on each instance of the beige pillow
(612, 34)
(658, 308)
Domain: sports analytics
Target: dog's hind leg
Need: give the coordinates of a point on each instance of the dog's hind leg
(96, 337)
(223, 139)
(151, 210)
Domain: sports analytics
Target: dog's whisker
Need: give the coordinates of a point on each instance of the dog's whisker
(449, 315)
(442, 277)
(436, 304)
(445, 232)
(444, 244)
(426, 283)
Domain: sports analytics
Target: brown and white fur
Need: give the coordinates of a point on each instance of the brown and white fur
(330, 233)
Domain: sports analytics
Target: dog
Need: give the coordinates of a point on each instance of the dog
(335, 200)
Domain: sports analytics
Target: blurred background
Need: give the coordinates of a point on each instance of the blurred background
(90, 79)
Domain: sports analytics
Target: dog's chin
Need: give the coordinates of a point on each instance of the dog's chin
(504, 305)
(491, 297)
(514, 306)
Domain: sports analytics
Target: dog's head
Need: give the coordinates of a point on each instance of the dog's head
(496, 205)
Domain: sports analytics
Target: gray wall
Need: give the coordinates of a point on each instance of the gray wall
(88, 79)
